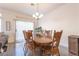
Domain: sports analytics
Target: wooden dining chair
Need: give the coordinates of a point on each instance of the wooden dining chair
(28, 35)
(55, 52)
(48, 33)
(29, 45)
(56, 38)
(56, 41)
(46, 49)
(24, 33)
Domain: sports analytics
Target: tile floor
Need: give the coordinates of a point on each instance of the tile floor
(18, 50)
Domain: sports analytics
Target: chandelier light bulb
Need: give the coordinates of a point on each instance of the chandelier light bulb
(41, 15)
(33, 15)
(37, 14)
(36, 17)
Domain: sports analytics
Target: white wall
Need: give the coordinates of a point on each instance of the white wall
(11, 16)
(64, 18)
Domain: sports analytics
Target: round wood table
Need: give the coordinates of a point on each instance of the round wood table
(42, 40)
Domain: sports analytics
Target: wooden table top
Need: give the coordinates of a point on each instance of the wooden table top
(42, 40)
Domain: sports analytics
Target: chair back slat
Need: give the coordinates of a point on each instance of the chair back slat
(48, 33)
(24, 32)
(56, 38)
(28, 35)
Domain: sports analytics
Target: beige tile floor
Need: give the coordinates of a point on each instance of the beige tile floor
(18, 50)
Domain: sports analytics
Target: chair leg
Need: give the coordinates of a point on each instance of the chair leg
(55, 52)
(46, 51)
(33, 52)
(33, 49)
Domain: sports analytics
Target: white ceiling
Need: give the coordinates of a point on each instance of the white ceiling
(29, 9)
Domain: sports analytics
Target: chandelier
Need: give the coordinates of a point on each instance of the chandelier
(37, 15)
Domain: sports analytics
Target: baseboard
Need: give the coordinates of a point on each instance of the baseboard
(11, 42)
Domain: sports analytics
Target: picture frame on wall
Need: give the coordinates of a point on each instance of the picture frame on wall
(8, 27)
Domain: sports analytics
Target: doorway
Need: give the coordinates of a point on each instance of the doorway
(20, 26)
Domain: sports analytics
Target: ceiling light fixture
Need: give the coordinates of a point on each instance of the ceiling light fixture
(37, 15)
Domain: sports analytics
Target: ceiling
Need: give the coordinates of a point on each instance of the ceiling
(27, 8)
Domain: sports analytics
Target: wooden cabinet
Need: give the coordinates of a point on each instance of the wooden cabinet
(73, 41)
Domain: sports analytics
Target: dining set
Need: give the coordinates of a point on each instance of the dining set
(46, 43)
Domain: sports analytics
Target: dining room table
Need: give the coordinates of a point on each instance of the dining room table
(42, 40)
